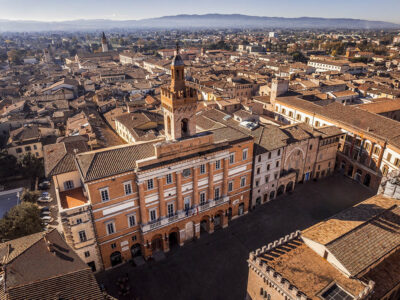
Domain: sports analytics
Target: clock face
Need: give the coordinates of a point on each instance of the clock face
(186, 173)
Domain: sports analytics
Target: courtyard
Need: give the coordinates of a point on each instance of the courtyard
(215, 267)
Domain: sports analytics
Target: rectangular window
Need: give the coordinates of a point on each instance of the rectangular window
(110, 228)
(232, 158)
(244, 154)
(131, 220)
(170, 209)
(202, 169)
(202, 198)
(397, 162)
(230, 186)
(242, 181)
(87, 253)
(216, 193)
(150, 184)
(268, 167)
(153, 215)
(78, 221)
(82, 236)
(113, 245)
(266, 179)
(128, 188)
(169, 178)
(279, 152)
(187, 203)
(258, 171)
(217, 164)
(269, 155)
(389, 157)
(257, 182)
(277, 163)
(68, 185)
(34, 147)
(104, 194)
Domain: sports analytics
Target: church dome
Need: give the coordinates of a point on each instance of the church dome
(177, 61)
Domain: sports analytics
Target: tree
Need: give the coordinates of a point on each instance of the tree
(21, 220)
(32, 166)
(299, 56)
(30, 196)
(15, 56)
(9, 165)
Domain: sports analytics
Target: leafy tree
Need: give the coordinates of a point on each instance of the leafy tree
(32, 166)
(29, 196)
(299, 56)
(21, 220)
(9, 165)
(15, 56)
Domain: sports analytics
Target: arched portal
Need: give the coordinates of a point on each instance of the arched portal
(115, 258)
(289, 187)
(281, 189)
(136, 250)
(367, 179)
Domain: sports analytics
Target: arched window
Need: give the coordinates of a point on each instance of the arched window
(185, 127)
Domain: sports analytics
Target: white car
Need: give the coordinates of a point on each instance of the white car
(47, 219)
(45, 199)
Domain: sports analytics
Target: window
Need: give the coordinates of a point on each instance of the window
(298, 117)
(336, 293)
(277, 163)
(110, 228)
(269, 155)
(259, 158)
(242, 181)
(232, 158)
(307, 120)
(186, 202)
(78, 221)
(244, 154)
(150, 184)
(385, 170)
(34, 147)
(367, 146)
(113, 245)
(87, 253)
(28, 148)
(202, 169)
(202, 198)
(310, 147)
(186, 173)
(279, 152)
(134, 238)
(257, 182)
(68, 185)
(217, 164)
(276, 176)
(266, 179)
(170, 209)
(131, 220)
(377, 150)
(128, 188)
(169, 178)
(397, 162)
(18, 150)
(82, 236)
(216, 193)
(104, 194)
(153, 215)
(258, 171)
(268, 167)
(389, 157)
(230, 186)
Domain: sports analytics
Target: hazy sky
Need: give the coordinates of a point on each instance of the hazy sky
(59, 10)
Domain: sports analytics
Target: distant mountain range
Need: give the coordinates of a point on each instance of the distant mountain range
(196, 21)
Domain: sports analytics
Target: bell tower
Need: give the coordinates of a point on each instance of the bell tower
(179, 103)
(104, 45)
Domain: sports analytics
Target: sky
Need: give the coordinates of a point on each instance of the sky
(61, 10)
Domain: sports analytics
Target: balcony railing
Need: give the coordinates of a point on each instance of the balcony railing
(183, 214)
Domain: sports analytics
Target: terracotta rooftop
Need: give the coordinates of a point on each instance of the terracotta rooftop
(306, 270)
(381, 106)
(347, 220)
(72, 198)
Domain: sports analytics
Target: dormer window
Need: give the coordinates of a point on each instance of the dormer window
(335, 292)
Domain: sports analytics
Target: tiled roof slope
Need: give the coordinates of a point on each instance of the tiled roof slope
(346, 220)
(366, 244)
(112, 161)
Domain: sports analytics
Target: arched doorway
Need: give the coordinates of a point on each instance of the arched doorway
(350, 171)
(265, 199)
(218, 220)
(115, 258)
(271, 195)
(289, 187)
(358, 175)
(367, 179)
(205, 225)
(173, 238)
(241, 209)
(281, 189)
(185, 127)
(157, 243)
(258, 200)
(136, 250)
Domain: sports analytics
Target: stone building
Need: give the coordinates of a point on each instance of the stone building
(352, 255)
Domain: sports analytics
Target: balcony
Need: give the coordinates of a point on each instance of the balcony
(183, 214)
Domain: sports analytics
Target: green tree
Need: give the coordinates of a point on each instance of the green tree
(21, 220)
(9, 165)
(299, 56)
(30, 196)
(15, 56)
(32, 166)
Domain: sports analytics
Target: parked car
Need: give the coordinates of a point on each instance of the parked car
(47, 219)
(44, 185)
(45, 213)
(45, 197)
